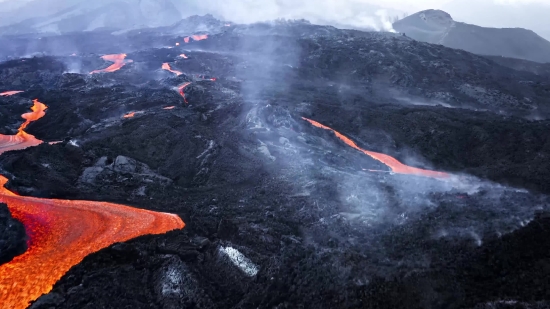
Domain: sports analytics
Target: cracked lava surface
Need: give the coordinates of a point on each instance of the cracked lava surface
(63, 232)
(391, 162)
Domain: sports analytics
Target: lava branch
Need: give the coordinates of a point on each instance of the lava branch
(196, 37)
(183, 56)
(10, 93)
(391, 162)
(166, 66)
(181, 88)
(119, 60)
(62, 233)
(22, 139)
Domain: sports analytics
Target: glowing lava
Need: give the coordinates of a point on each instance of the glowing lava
(61, 234)
(22, 139)
(119, 60)
(129, 115)
(181, 88)
(183, 56)
(391, 162)
(166, 66)
(196, 37)
(10, 93)
(177, 44)
(169, 107)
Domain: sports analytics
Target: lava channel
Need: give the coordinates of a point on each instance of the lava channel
(169, 107)
(119, 60)
(62, 233)
(181, 88)
(184, 56)
(196, 37)
(22, 139)
(391, 162)
(166, 66)
(10, 93)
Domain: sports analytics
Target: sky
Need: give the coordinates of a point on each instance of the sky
(530, 14)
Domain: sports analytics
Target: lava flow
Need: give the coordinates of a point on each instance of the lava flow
(166, 66)
(129, 115)
(183, 56)
(391, 162)
(181, 88)
(62, 233)
(9, 93)
(169, 107)
(22, 139)
(119, 60)
(196, 37)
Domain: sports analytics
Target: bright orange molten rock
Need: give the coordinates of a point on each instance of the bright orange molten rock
(166, 66)
(10, 93)
(119, 60)
(391, 162)
(22, 139)
(61, 232)
(64, 232)
(181, 88)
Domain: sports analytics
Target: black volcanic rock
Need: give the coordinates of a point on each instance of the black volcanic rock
(438, 27)
(279, 213)
(13, 239)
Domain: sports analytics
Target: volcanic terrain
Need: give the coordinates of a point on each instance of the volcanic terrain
(313, 167)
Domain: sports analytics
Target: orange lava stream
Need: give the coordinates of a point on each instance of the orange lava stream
(391, 162)
(119, 60)
(62, 233)
(196, 37)
(129, 115)
(183, 56)
(10, 93)
(181, 88)
(169, 107)
(22, 139)
(166, 66)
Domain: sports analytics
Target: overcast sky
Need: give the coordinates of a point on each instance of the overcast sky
(530, 14)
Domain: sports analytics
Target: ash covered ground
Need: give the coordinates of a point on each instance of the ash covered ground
(279, 213)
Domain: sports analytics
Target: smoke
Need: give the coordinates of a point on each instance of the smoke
(353, 13)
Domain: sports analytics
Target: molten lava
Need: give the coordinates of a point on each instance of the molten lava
(166, 66)
(10, 93)
(392, 163)
(61, 234)
(129, 115)
(196, 37)
(22, 139)
(169, 107)
(181, 88)
(183, 56)
(177, 44)
(119, 60)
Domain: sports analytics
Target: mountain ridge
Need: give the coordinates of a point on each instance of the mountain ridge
(438, 27)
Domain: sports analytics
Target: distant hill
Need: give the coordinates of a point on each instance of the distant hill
(438, 27)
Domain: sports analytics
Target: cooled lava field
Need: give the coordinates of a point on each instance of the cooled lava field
(272, 165)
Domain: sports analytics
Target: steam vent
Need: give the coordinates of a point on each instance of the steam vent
(153, 161)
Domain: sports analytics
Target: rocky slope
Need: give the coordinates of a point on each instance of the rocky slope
(279, 213)
(438, 27)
